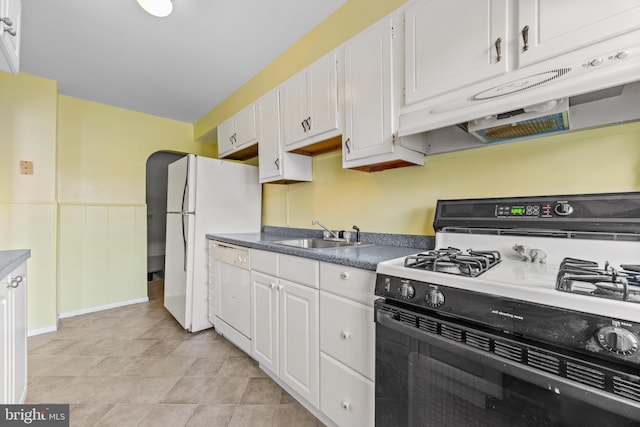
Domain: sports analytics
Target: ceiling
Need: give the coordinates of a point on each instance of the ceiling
(179, 67)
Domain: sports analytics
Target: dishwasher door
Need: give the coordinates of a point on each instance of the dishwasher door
(232, 294)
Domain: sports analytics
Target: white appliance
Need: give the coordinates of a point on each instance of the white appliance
(204, 196)
(232, 294)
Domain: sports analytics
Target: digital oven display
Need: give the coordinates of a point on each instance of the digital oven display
(517, 210)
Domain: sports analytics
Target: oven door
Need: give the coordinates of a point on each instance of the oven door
(433, 372)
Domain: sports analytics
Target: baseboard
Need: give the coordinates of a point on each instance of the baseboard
(102, 307)
(33, 332)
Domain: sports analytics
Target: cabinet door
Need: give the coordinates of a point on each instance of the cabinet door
(245, 123)
(322, 95)
(294, 108)
(368, 93)
(556, 27)
(5, 325)
(451, 44)
(10, 44)
(226, 134)
(264, 345)
(18, 313)
(299, 349)
(269, 142)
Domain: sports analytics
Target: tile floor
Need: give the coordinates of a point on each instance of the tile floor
(135, 366)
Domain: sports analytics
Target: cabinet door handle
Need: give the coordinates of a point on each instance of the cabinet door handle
(525, 38)
(309, 123)
(280, 287)
(15, 282)
(7, 21)
(346, 405)
(346, 144)
(345, 335)
(344, 275)
(277, 162)
(273, 285)
(304, 128)
(498, 51)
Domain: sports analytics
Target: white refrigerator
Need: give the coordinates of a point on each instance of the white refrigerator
(204, 196)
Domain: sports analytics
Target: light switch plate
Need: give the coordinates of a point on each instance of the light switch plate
(26, 167)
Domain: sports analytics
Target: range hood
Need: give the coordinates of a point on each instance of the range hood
(591, 87)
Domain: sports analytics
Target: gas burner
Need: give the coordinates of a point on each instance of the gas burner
(587, 278)
(454, 261)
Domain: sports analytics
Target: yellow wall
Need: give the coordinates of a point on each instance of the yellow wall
(403, 200)
(82, 213)
(28, 202)
(102, 155)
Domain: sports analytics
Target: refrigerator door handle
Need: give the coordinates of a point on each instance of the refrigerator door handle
(184, 240)
(186, 187)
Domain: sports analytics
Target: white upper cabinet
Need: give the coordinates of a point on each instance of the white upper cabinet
(238, 136)
(276, 165)
(10, 28)
(372, 99)
(453, 43)
(547, 28)
(310, 104)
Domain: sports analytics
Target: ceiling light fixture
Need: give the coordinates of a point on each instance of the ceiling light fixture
(159, 8)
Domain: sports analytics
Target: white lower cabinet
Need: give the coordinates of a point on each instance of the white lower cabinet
(13, 336)
(347, 345)
(347, 398)
(285, 321)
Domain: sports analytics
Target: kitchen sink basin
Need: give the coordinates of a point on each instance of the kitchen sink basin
(313, 243)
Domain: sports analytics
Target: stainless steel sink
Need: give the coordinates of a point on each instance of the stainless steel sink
(314, 243)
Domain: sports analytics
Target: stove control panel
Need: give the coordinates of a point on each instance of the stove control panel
(618, 340)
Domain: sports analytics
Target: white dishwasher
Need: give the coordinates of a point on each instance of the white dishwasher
(232, 293)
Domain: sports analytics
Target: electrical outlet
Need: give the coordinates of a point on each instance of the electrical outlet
(26, 167)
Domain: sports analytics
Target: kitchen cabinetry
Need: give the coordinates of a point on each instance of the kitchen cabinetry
(310, 105)
(552, 28)
(372, 99)
(10, 29)
(238, 136)
(13, 336)
(446, 50)
(347, 344)
(285, 320)
(277, 165)
(451, 44)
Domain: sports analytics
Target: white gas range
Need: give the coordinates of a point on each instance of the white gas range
(546, 289)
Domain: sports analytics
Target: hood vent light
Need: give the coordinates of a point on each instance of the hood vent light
(535, 120)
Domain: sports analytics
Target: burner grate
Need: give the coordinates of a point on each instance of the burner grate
(587, 278)
(469, 263)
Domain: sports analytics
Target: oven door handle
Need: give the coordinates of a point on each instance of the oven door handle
(601, 399)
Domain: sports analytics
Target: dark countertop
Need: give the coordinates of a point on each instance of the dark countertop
(10, 260)
(376, 247)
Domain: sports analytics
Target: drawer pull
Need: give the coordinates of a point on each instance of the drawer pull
(273, 285)
(346, 405)
(345, 335)
(344, 275)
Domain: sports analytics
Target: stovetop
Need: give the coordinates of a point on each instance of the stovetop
(521, 279)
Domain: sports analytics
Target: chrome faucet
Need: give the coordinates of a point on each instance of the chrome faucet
(334, 234)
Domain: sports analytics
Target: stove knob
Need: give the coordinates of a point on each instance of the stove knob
(564, 209)
(406, 291)
(618, 340)
(435, 298)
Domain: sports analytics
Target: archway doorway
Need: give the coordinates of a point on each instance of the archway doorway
(156, 198)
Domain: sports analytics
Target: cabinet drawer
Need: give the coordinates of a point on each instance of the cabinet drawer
(349, 282)
(299, 270)
(347, 332)
(264, 261)
(345, 397)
